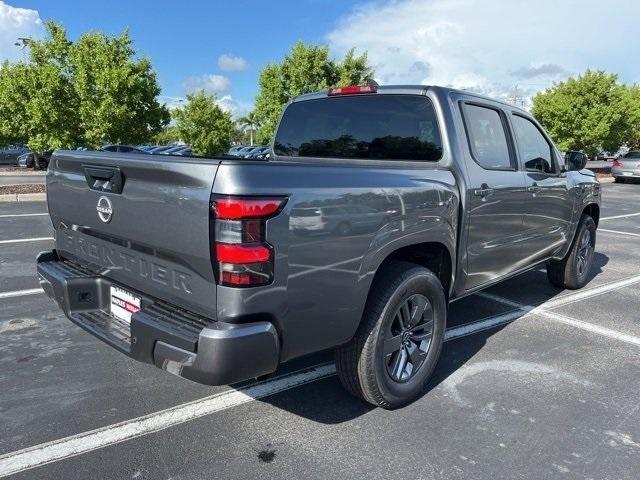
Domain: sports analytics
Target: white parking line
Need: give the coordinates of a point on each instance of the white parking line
(621, 216)
(20, 293)
(25, 240)
(525, 310)
(12, 215)
(102, 437)
(619, 232)
(38, 455)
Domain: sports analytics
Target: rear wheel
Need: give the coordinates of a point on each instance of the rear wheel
(572, 272)
(398, 343)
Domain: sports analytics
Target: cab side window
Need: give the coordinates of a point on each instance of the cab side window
(487, 138)
(534, 150)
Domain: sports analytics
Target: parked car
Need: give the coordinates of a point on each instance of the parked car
(26, 160)
(244, 151)
(160, 149)
(122, 149)
(9, 153)
(233, 150)
(175, 150)
(258, 151)
(252, 151)
(626, 167)
(211, 281)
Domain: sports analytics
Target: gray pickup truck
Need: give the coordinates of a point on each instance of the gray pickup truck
(378, 207)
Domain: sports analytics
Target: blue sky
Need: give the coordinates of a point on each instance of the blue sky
(185, 39)
(508, 49)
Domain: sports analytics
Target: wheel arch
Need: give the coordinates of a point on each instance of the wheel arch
(593, 210)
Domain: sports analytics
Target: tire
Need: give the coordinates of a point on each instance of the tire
(379, 377)
(618, 179)
(572, 271)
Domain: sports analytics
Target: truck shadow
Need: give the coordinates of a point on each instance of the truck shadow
(325, 401)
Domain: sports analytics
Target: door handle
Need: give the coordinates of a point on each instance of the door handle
(483, 191)
(535, 188)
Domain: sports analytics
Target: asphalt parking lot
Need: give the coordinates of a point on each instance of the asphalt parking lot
(534, 382)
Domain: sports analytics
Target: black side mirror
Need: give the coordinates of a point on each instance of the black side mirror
(575, 160)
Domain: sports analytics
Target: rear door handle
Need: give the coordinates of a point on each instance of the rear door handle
(535, 188)
(483, 191)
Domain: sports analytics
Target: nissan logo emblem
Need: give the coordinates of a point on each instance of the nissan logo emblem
(105, 209)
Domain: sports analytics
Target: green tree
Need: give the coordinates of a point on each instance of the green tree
(117, 93)
(249, 122)
(305, 69)
(204, 125)
(85, 92)
(587, 113)
(37, 100)
(168, 134)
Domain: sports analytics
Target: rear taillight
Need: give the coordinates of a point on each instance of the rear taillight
(241, 253)
(353, 90)
(617, 163)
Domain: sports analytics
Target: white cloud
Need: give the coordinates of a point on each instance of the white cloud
(491, 46)
(217, 84)
(231, 63)
(17, 22)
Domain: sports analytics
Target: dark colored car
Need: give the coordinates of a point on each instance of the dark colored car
(202, 266)
(9, 153)
(27, 160)
(122, 149)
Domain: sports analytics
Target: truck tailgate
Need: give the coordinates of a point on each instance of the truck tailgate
(140, 220)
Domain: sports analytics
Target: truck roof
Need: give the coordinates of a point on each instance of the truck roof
(411, 89)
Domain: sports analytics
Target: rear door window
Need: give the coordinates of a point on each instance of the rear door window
(487, 137)
(533, 148)
(375, 126)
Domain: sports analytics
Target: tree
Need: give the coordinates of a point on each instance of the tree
(249, 122)
(85, 92)
(306, 69)
(588, 113)
(117, 93)
(168, 134)
(37, 100)
(204, 125)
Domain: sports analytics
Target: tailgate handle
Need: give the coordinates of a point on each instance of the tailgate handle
(103, 179)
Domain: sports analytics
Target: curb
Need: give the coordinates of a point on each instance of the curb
(23, 197)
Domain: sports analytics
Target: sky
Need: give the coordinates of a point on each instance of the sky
(504, 48)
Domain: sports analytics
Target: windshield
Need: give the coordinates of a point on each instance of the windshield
(633, 154)
(378, 126)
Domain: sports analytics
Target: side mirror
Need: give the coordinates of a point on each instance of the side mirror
(575, 160)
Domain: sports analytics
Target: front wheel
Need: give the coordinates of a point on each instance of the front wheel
(572, 272)
(398, 343)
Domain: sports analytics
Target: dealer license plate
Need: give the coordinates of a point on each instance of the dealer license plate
(123, 304)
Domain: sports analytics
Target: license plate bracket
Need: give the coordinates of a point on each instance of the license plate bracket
(123, 303)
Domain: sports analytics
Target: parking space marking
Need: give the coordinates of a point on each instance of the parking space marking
(621, 216)
(39, 455)
(25, 240)
(543, 310)
(43, 454)
(20, 293)
(13, 215)
(619, 232)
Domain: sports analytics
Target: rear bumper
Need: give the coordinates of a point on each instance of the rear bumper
(625, 172)
(178, 341)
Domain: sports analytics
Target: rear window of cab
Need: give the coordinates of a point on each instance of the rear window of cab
(371, 126)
